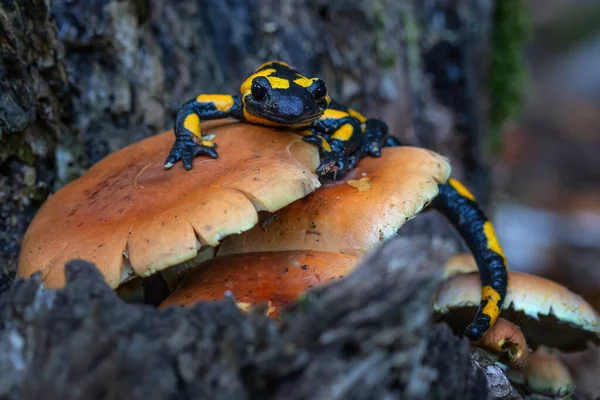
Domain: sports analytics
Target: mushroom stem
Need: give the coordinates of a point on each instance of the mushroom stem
(506, 337)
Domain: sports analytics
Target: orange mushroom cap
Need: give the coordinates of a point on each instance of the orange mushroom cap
(356, 213)
(273, 278)
(506, 337)
(129, 216)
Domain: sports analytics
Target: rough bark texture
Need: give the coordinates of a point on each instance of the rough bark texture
(367, 336)
(34, 99)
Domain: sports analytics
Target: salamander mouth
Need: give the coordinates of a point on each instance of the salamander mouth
(305, 120)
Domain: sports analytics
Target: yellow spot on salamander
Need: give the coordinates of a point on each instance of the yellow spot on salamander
(357, 115)
(362, 184)
(344, 132)
(325, 145)
(278, 83)
(192, 124)
(248, 82)
(334, 114)
(304, 82)
(491, 308)
(223, 102)
(461, 189)
(492, 240)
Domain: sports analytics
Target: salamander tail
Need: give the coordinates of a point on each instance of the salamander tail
(457, 204)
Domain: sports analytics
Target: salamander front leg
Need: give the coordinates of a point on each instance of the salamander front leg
(344, 134)
(334, 160)
(187, 149)
(189, 142)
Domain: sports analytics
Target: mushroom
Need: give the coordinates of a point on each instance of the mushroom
(506, 337)
(547, 313)
(356, 213)
(273, 278)
(339, 222)
(462, 263)
(130, 217)
(546, 374)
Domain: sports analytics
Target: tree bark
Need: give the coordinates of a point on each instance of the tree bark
(367, 336)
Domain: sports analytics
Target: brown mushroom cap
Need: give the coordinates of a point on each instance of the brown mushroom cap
(352, 215)
(547, 313)
(128, 210)
(274, 278)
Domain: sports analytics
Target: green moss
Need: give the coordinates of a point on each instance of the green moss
(13, 146)
(385, 55)
(507, 68)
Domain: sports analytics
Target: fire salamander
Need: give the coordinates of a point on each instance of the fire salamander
(277, 95)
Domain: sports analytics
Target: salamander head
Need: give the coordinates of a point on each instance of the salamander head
(278, 95)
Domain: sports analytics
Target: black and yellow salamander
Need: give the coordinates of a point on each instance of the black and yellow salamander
(277, 95)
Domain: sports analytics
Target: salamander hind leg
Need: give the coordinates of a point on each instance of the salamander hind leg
(374, 137)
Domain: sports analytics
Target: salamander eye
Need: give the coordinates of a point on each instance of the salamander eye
(258, 89)
(319, 90)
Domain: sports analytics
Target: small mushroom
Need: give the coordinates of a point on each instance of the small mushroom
(356, 213)
(273, 278)
(547, 313)
(546, 374)
(130, 217)
(506, 337)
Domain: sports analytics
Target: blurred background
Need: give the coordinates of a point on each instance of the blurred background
(547, 180)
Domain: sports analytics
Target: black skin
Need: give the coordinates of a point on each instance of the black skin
(277, 95)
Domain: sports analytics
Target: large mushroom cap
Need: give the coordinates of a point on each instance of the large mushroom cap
(276, 278)
(352, 215)
(547, 313)
(127, 210)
